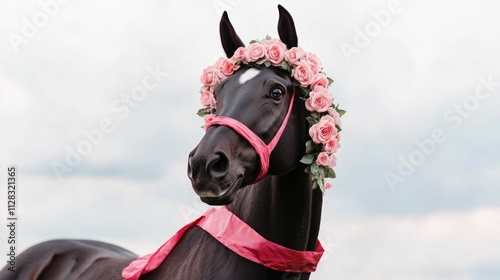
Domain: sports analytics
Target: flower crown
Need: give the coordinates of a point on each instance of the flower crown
(306, 70)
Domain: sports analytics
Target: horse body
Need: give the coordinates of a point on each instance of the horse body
(70, 259)
(282, 207)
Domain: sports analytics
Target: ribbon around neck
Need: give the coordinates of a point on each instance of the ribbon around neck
(237, 236)
(262, 150)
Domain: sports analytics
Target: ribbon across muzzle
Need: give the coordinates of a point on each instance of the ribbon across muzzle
(262, 150)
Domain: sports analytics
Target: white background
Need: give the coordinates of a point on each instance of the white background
(404, 81)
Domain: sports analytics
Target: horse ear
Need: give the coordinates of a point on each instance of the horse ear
(229, 38)
(286, 28)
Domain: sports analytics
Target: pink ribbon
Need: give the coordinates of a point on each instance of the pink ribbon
(262, 150)
(237, 236)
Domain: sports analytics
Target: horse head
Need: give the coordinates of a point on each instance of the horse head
(261, 100)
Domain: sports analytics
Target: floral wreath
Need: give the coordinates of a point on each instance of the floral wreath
(307, 71)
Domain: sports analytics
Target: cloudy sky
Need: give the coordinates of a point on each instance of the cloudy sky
(418, 188)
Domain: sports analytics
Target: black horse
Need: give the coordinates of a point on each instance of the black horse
(282, 207)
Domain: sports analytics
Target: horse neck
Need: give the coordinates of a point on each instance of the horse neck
(283, 209)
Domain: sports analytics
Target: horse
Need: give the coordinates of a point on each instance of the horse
(282, 206)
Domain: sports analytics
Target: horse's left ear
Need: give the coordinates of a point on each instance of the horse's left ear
(230, 40)
(286, 28)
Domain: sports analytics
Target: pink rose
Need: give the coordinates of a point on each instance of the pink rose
(332, 162)
(331, 146)
(303, 74)
(276, 53)
(314, 62)
(319, 80)
(327, 185)
(210, 76)
(323, 131)
(227, 67)
(322, 159)
(335, 115)
(208, 119)
(267, 42)
(319, 100)
(207, 100)
(218, 63)
(254, 52)
(293, 55)
(238, 54)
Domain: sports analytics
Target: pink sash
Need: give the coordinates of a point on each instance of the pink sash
(237, 236)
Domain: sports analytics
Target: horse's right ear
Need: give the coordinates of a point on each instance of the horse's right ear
(229, 38)
(286, 28)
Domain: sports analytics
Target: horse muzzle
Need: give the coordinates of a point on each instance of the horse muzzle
(218, 167)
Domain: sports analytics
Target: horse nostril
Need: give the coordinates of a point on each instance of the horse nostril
(218, 166)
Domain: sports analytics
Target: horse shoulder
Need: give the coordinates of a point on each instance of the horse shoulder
(70, 259)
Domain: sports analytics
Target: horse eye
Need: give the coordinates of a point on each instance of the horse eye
(276, 94)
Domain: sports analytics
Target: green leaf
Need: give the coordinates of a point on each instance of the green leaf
(286, 66)
(310, 147)
(330, 173)
(254, 41)
(315, 185)
(307, 159)
(319, 181)
(268, 37)
(330, 81)
(311, 120)
(267, 63)
(315, 115)
(306, 91)
(202, 112)
(340, 111)
(322, 172)
(308, 169)
(314, 168)
(338, 128)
